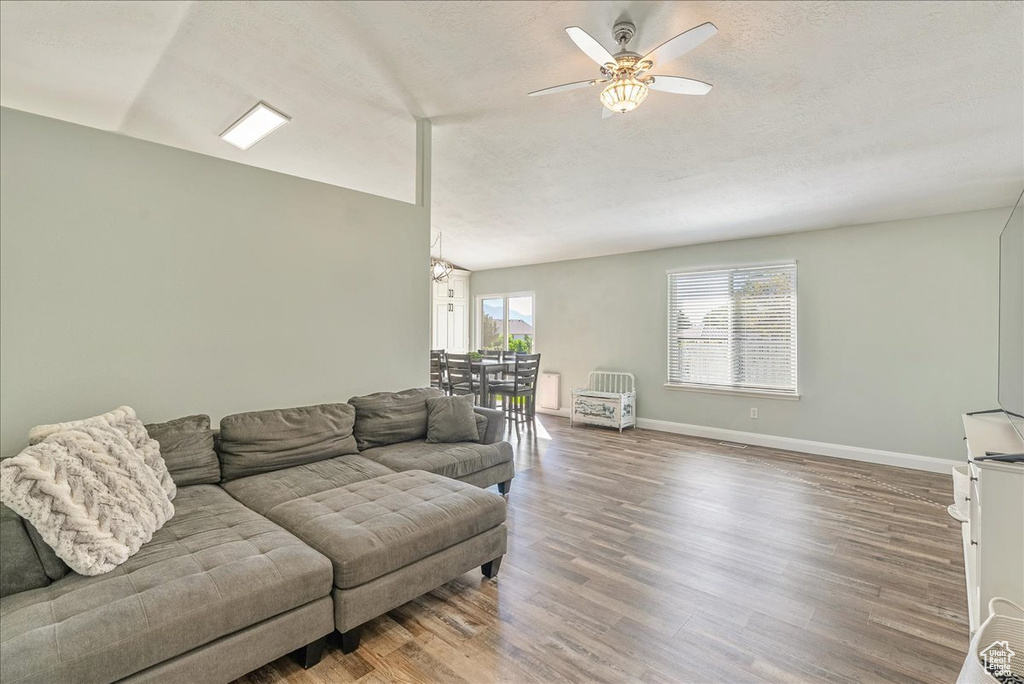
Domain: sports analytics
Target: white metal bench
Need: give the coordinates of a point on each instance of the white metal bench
(609, 399)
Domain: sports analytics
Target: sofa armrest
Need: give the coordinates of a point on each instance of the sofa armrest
(495, 423)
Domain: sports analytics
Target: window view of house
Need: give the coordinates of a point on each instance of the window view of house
(506, 322)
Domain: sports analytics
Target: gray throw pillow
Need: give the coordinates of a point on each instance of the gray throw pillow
(451, 419)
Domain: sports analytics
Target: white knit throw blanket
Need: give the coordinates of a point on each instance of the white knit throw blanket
(124, 419)
(88, 491)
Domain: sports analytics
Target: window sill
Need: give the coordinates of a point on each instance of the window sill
(733, 391)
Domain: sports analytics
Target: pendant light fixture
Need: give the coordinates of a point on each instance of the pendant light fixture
(439, 268)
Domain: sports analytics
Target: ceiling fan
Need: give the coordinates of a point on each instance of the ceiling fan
(628, 74)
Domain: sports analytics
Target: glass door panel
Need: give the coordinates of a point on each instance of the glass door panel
(492, 323)
(520, 324)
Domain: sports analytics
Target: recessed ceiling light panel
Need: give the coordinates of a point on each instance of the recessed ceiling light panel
(256, 124)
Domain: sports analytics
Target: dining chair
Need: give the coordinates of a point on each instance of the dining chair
(534, 358)
(461, 380)
(438, 371)
(492, 354)
(519, 395)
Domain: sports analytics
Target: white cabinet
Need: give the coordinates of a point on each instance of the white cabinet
(449, 319)
(993, 536)
(457, 287)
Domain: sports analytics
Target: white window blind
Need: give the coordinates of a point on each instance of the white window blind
(733, 329)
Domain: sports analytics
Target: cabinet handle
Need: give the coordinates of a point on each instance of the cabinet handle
(450, 307)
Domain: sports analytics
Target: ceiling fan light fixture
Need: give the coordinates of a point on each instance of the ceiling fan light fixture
(624, 94)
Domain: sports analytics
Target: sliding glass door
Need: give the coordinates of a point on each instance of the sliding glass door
(506, 322)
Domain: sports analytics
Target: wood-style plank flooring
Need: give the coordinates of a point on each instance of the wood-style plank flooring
(659, 558)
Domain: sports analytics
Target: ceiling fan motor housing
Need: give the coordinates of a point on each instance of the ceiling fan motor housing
(623, 32)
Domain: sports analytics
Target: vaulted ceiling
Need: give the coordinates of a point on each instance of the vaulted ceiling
(823, 113)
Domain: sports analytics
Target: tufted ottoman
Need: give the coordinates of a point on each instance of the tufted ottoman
(395, 537)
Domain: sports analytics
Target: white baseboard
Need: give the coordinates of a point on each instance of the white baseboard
(892, 458)
(563, 412)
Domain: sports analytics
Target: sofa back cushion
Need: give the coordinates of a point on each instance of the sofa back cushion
(263, 441)
(20, 567)
(53, 565)
(187, 447)
(392, 417)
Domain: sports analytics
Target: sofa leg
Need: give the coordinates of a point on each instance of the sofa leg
(503, 487)
(490, 568)
(310, 654)
(349, 640)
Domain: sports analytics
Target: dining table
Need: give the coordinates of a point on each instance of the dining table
(486, 368)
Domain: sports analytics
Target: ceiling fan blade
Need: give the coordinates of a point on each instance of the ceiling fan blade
(594, 50)
(564, 87)
(681, 44)
(679, 85)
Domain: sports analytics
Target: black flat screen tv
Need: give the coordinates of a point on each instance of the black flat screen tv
(1011, 317)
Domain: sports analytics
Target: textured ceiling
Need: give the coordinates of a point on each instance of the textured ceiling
(823, 113)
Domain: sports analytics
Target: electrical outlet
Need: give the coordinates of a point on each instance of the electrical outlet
(753, 413)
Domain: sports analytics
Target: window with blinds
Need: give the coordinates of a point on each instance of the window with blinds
(733, 329)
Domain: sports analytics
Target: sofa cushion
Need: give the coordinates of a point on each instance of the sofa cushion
(262, 492)
(450, 460)
(20, 567)
(451, 419)
(371, 528)
(263, 441)
(187, 447)
(215, 568)
(391, 417)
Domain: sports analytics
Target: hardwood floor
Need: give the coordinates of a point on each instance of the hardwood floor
(658, 558)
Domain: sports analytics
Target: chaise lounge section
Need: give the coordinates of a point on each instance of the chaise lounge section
(395, 537)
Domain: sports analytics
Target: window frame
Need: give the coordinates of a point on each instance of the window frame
(725, 389)
(478, 315)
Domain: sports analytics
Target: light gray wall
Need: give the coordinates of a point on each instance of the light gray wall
(134, 273)
(897, 330)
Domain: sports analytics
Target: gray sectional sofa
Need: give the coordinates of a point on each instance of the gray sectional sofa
(289, 526)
